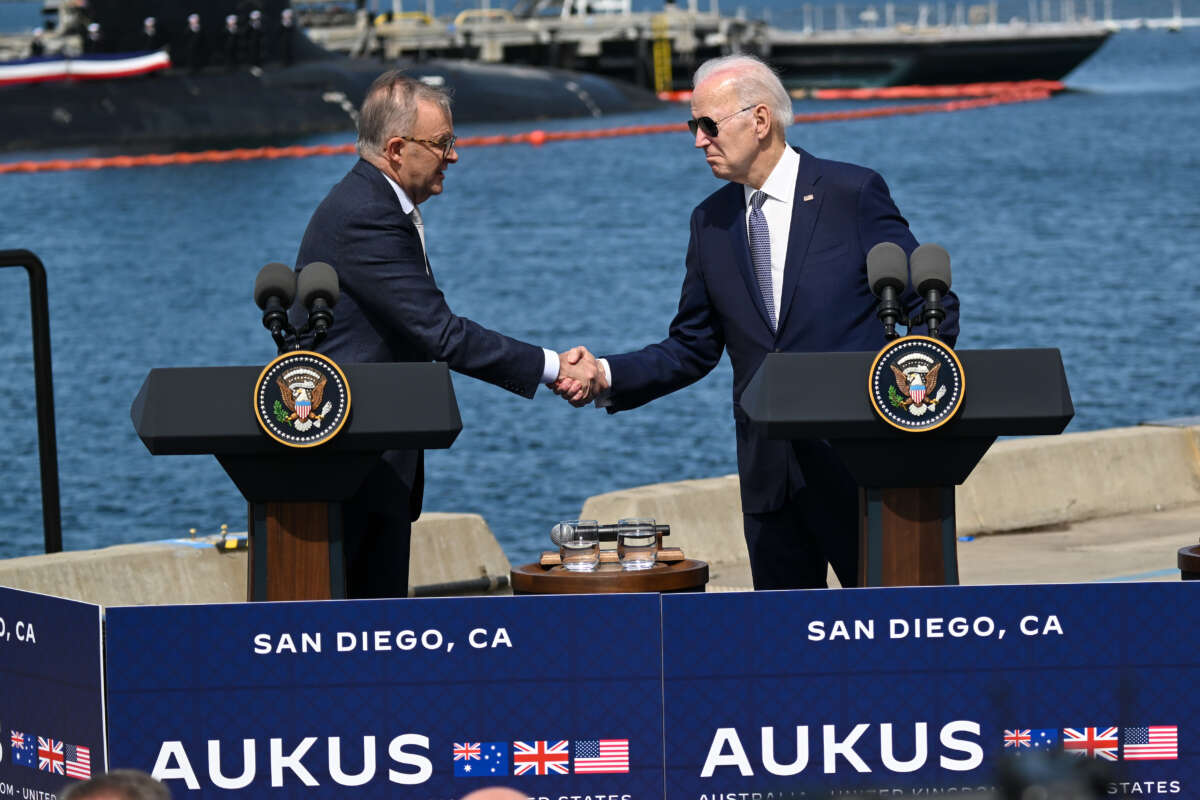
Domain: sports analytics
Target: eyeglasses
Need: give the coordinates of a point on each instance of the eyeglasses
(707, 124)
(446, 143)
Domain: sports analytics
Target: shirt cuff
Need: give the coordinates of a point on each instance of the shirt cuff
(550, 371)
(602, 400)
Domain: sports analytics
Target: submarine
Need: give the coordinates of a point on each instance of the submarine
(225, 82)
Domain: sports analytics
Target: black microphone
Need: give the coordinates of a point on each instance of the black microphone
(931, 277)
(318, 290)
(274, 291)
(887, 273)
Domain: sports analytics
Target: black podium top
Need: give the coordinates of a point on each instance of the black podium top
(195, 410)
(824, 396)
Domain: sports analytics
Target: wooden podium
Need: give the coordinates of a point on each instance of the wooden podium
(294, 495)
(907, 532)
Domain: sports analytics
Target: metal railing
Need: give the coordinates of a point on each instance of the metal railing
(44, 391)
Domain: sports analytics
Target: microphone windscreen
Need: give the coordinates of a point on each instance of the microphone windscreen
(318, 279)
(887, 265)
(931, 268)
(275, 280)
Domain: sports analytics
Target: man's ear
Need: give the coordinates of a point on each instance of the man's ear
(763, 121)
(393, 149)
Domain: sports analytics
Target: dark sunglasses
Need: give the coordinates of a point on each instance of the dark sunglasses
(445, 145)
(709, 126)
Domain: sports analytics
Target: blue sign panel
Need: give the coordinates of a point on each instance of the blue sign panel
(558, 697)
(51, 693)
(929, 690)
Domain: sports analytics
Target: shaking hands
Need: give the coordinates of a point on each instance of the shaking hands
(580, 377)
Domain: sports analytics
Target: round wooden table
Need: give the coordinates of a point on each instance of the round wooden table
(682, 576)
(1189, 562)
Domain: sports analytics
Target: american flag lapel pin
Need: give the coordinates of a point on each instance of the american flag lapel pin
(807, 197)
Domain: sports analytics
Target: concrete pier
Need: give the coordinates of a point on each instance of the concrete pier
(446, 549)
(1104, 505)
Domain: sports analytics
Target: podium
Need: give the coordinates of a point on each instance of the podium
(907, 533)
(295, 495)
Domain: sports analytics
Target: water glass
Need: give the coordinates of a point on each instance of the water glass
(637, 543)
(579, 544)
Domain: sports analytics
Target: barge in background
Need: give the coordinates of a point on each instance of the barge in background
(660, 50)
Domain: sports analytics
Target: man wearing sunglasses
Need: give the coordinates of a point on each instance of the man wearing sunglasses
(776, 262)
(369, 228)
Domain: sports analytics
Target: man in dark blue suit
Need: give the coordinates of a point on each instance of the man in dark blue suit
(370, 230)
(776, 262)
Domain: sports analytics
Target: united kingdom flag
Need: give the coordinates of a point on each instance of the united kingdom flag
(50, 755)
(1018, 738)
(1091, 742)
(466, 751)
(541, 758)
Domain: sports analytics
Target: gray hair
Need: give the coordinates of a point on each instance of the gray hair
(753, 81)
(390, 109)
(128, 784)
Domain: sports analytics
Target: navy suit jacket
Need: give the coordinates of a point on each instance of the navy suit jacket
(391, 309)
(826, 305)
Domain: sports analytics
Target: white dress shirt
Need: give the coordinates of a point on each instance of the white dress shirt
(550, 370)
(780, 188)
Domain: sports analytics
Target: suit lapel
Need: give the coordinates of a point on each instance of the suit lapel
(804, 219)
(376, 179)
(741, 249)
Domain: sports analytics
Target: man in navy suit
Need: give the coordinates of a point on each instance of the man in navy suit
(370, 230)
(776, 262)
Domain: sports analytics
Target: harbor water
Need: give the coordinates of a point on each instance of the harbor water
(1072, 223)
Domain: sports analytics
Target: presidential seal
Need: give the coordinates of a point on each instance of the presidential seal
(301, 399)
(916, 383)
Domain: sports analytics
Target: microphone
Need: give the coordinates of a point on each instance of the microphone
(608, 532)
(887, 274)
(274, 292)
(931, 277)
(318, 290)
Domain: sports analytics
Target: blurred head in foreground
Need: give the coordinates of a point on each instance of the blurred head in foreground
(120, 784)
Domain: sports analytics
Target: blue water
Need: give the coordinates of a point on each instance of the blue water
(1073, 223)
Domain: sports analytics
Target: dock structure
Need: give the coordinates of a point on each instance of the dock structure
(613, 40)
(813, 45)
(661, 49)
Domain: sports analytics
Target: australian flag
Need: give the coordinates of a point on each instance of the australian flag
(24, 749)
(1043, 738)
(485, 759)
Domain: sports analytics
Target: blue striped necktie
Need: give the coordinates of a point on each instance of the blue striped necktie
(760, 253)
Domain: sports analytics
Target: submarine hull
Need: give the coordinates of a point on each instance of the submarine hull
(276, 105)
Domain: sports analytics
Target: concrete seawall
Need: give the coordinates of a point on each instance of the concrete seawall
(1021, 485)
(446, 548)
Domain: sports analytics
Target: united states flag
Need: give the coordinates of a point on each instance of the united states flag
(1093, 742)
(602, 755)
(1154, 742)
(541, 758)
(79, 761)
(50, 755)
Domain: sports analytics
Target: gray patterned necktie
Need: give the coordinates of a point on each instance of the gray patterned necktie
(415, 216)
(760, 253)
